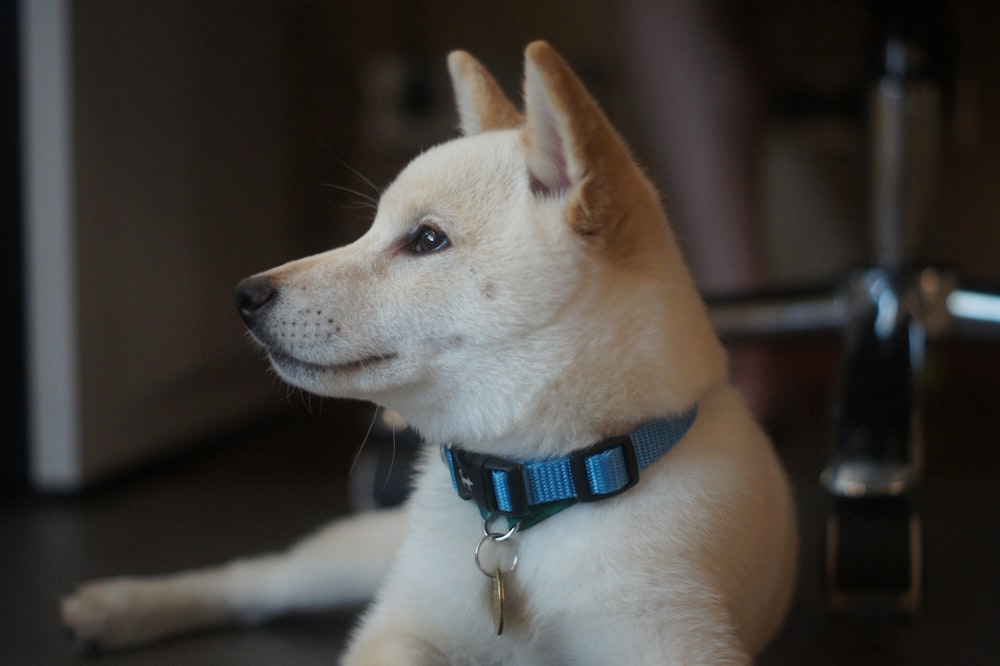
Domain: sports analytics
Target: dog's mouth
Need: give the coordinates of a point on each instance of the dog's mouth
(289, 363)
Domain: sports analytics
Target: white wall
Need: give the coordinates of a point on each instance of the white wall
(158, 171)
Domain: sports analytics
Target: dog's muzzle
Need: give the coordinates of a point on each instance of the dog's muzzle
(253, 296)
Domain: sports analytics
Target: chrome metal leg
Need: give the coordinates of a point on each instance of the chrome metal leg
(886, 314)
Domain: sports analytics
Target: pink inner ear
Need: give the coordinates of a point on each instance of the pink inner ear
(549, 168)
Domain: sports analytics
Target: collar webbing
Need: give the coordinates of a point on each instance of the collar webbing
(528, 489)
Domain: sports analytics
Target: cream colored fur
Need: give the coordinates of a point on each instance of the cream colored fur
(559, 313)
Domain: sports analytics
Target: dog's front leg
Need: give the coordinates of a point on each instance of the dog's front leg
(390, 638)
(394, 646)
(403, 625)
(340, 565)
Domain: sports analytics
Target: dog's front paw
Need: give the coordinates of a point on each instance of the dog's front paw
(118, 612)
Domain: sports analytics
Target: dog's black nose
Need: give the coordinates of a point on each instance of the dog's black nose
(252, 294)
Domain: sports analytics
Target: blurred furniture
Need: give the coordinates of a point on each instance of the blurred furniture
(886, 312)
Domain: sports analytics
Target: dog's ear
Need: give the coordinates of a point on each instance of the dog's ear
(571, 146)
(482, 105)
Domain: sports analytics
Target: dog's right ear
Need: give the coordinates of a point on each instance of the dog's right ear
(482, 105)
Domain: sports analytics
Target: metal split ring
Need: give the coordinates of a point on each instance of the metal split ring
(490, 573)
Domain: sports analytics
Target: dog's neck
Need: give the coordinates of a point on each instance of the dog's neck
(599, 395)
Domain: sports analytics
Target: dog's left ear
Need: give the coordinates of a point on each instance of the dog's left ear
(482, 105)
(571, 147)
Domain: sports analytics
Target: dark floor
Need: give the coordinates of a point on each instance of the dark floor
(286, 478)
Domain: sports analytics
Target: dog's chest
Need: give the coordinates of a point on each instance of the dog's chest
(559, 568)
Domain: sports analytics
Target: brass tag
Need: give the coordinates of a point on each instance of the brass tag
(498, 598)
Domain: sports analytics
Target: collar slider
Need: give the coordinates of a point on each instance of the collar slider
(589, 467)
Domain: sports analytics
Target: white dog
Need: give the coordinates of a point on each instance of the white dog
(593, 491)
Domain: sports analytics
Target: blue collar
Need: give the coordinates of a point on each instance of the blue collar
(531, 490)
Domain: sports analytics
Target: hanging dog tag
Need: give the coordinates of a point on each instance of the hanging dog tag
(498, 599)
(502, 558)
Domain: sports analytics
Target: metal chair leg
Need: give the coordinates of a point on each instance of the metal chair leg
(885, 313)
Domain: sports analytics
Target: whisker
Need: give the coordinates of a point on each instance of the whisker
(361, 448)
(360, 206)
(368, 199)
(347, 166)
(392, 459)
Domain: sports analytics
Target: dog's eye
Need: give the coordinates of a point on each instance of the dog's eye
(427, 239)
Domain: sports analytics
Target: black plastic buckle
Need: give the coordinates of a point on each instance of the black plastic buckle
(578, 467)
(474, 479)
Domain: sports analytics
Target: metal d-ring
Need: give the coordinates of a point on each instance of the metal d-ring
(496, 537)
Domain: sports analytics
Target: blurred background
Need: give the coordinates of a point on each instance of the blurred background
(171, 148)
(157, 152)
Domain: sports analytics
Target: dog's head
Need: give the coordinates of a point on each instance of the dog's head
(519, 282)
